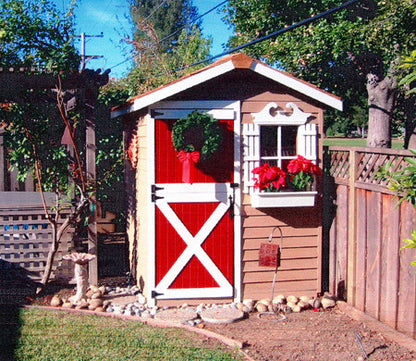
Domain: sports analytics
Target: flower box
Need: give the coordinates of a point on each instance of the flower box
(283, 199)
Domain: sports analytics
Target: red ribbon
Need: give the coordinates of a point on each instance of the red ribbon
(188, 158)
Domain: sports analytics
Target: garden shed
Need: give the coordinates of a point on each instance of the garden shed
(199, 224)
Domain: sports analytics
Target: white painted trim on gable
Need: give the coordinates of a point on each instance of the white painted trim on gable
(295, 84)
(181, 85)
(214, 71)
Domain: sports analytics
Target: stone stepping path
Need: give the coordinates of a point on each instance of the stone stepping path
(221, 315)
(176, 315)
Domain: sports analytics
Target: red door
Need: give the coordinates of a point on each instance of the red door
(194, 251)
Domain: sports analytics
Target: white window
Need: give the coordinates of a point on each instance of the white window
(276, 138)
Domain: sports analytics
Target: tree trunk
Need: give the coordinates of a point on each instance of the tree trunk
(410, 122)
(380, 100)
(58, 232)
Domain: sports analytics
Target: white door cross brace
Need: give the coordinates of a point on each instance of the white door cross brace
(193, 247)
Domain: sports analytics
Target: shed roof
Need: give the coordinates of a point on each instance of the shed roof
(220, 67)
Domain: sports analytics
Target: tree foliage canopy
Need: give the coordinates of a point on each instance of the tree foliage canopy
(335, 53)
(34, 33)
(167, 38)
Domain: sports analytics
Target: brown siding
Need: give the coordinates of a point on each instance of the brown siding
(300, 269)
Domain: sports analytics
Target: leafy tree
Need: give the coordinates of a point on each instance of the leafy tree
(34, 33)
(408, 64)
(166, 37)
(167, 18)
(346, 52)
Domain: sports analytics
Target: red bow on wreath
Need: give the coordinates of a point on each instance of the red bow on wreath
(188, 159)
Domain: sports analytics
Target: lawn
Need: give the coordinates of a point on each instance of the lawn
(356, 142)
(38, 334)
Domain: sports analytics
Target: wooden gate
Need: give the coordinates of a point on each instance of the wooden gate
(196, 225)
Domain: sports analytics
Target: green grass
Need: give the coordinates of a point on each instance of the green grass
(53, 335)
(356, 142)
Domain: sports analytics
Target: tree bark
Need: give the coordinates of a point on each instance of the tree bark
(410, 122)
(381, 96)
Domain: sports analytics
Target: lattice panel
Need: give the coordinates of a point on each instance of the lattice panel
(340, 166)
(367, 166)
(25, 238)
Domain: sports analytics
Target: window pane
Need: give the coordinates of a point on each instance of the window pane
(268, 141)
(289, 134)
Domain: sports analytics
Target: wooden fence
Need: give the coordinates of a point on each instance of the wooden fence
(365, 229)
(26, 235)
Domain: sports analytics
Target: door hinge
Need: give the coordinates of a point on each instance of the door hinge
(154, 189)
(154, 294)
(155, 197)
(154, 113)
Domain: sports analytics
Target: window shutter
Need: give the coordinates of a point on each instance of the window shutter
(307, 135)
(251, 153)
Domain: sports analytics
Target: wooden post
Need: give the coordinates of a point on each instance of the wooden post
(352, 221)
(90, 97)
(2, 161)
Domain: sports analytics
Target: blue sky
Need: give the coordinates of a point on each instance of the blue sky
(111, 18)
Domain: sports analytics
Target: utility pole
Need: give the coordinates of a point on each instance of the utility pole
(84, 57)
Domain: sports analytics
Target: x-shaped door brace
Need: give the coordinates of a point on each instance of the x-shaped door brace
(193, 246)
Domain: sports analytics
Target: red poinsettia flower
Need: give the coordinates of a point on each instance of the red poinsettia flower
(301, 164)
(269, 177)
(301, 172)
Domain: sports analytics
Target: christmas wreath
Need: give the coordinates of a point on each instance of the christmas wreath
(197, 132)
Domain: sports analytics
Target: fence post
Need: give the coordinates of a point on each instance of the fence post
(2, 161)
(352, 222)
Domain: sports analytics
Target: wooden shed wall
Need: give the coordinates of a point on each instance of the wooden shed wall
(136, 179)
(300, 269)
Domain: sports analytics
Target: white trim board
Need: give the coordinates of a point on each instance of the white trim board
(213, 71)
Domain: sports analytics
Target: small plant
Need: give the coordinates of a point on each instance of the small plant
(411, 243)
(301, 172)
(403, 183)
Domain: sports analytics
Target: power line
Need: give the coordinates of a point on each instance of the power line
(193, 21)
(256, 41)
(83, 56)
(266, 37)
(175, 32)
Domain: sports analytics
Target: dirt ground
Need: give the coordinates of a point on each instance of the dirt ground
(329, 335)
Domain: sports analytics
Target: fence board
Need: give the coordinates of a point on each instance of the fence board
(385, 281)
(361, 264)
(373, 254)
(406, 314)
(390, 262)
(341, 242)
